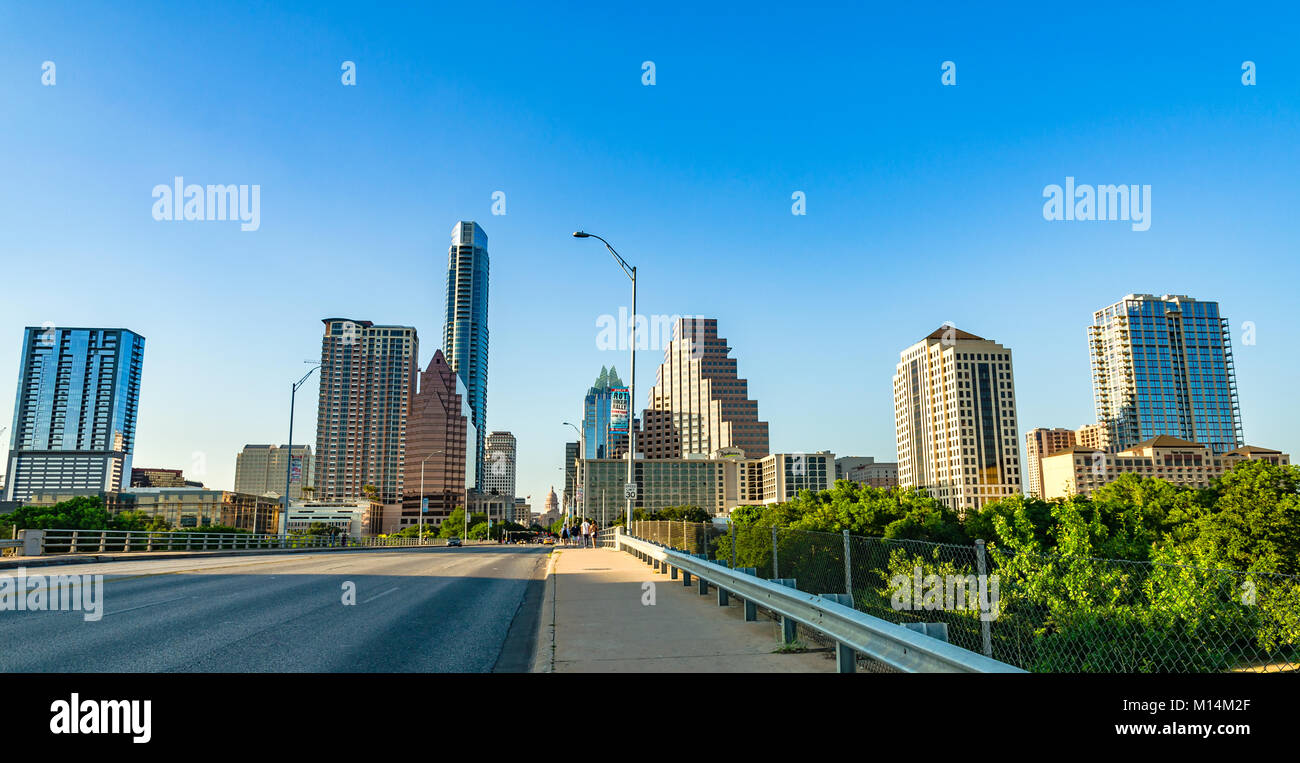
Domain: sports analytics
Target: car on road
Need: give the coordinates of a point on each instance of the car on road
(453, 541)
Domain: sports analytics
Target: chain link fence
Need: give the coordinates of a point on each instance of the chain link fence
(691, 537)
(1039, 612)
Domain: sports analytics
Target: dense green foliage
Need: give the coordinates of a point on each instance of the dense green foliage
(454, 525)
(1143, 575)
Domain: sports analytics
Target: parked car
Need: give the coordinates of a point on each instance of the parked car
(453, 541)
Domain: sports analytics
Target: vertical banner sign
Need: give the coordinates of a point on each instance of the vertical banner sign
(424, 505)
(620, 404)
(295, 470)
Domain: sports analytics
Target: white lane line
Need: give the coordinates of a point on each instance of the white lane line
(142, 606)
(376, 596)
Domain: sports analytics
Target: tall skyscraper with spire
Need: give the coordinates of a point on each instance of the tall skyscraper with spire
(600, 431)
(465, 325)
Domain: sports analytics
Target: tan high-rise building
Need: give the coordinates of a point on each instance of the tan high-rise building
(698, 403)
(260, 470)
(367, 380)
(1093, 436)
(1040, 443)
(955, 419)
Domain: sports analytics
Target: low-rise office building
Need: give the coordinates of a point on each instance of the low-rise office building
(349, 516)
(867, 470)
(716, 483)
(1080, 471)
(182, 507)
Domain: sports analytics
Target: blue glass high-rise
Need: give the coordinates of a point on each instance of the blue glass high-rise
(597, 416)
(465, 325)
(1163, 366)
(75, 411)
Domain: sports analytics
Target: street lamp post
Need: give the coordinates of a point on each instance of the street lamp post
(630, 272)
(577, 473)
(422, 498)
(2, 431)
(288, 459)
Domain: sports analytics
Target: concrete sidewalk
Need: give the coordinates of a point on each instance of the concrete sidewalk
(595, 621)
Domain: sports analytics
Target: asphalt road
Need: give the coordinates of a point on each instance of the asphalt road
(417, 610)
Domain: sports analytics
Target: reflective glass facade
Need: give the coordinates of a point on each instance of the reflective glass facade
(78, 395)
(597, 411)
(1163, 366)
(465, 324)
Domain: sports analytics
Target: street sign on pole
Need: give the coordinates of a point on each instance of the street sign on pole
(424, 505)
(629, 491)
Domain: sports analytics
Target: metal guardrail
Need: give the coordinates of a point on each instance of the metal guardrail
(51, 542)
(854, 632)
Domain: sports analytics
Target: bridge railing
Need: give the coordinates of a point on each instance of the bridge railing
(1046, 612)
(46, 542)
(854, 633)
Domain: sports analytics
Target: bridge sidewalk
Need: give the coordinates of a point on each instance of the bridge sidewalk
(599, 624)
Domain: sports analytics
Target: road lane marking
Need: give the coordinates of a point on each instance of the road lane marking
(376, 596)
(142, 606)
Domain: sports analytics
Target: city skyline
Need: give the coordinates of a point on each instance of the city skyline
(945, 193)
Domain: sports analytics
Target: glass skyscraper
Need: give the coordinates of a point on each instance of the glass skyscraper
(75, 412)
(598, 435)
(1163, 366)
(465, 325)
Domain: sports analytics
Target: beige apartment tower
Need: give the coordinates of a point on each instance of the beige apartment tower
(699, 404)
(955, 419)
(367, 380)
(1040, 443)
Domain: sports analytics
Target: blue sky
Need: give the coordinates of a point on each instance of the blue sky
(924, 202)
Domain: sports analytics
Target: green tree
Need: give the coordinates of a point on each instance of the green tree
(81, 513)
(454, 525)
(1254, 525)
(139, 521)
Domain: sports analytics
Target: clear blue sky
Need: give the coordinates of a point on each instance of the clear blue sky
(924, 202)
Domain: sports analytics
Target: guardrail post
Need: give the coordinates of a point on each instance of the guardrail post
(686, 579)
(126, 542)
(704, 584)
(789, 628)
(672, 572)
(103, 541)
(986, 634)
(846, 658)
(723, 599)
(751, 609)
(775, 573)
(72, 549)
(33, 542)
